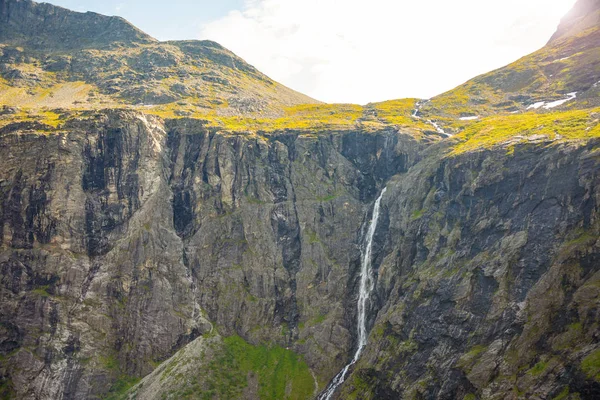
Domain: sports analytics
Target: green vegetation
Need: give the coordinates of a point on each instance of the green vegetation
(360, 387)
(591, 365)
(52, 118)
(491, 131)
(570, 338)
(109, 362)
(280, 373)
(309, 118)
(469, 359)
(41, 291)
(119, 389)
(123, 383)
(476, 351)
(304, 117)
(417, 214)
(563, 394)
(327, 198)
(454, 102)
(6, 389)
(319, 319)
(538, 368)
(408, 346)
(398, 112)
(583, 237)
(313, 237)
(470, 396)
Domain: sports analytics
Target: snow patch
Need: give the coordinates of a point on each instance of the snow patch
(552, 104)
(570, 96)
(537, 105)
(469, 118)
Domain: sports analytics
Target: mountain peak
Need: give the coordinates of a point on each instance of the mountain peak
(57, 58)
(45, 26)
(585, 14)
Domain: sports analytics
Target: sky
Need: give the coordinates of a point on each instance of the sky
(354, 51)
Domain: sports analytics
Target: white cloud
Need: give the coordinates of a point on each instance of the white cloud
(358, 51)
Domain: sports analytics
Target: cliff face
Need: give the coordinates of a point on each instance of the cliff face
(93, 277)
(122, 236)
(124, 239)
(489, 278)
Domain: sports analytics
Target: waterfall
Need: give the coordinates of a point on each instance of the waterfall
(365, 289)
(437, 127)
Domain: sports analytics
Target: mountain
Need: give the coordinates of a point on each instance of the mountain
(53, 58)
(565, 74)
(584, 15)
(44, 27)
(176, 225)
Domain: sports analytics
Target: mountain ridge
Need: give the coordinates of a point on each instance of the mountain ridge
(44, 26)
(54, 58)
(585, 14)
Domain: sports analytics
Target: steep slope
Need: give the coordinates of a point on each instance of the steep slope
(488, 278)
(584, 15)
(565, 74)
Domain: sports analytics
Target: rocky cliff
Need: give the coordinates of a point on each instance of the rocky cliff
(173, 256)
(488, 278)
(123, 237)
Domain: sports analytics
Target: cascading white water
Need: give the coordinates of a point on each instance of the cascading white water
(437, 127)
(365, 289)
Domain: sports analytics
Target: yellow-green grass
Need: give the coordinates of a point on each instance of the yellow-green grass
(556, 126)
(59, 95)
(546, 74)
(399, 112)
(46, 116)
(306, 117)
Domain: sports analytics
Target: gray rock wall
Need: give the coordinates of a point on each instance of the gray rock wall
(122, 238)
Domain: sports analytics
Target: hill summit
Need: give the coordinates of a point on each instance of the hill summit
(45, 27)
(54, 58)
